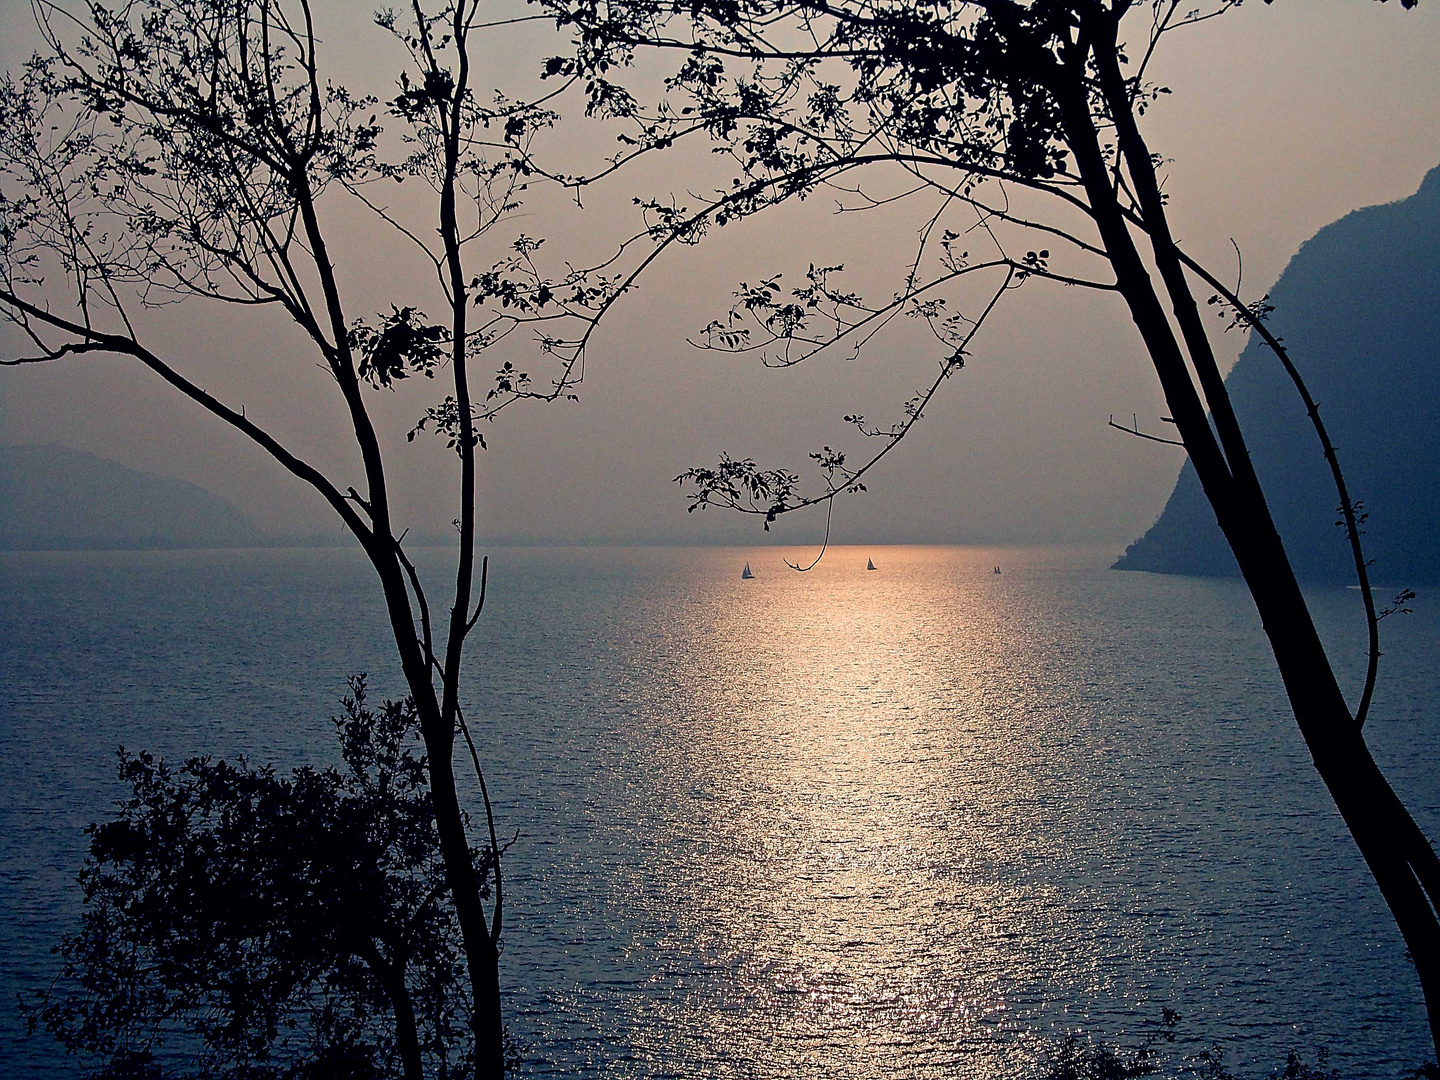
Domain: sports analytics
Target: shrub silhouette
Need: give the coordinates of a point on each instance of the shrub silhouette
(242, 923)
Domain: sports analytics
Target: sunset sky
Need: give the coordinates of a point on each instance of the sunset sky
(1282, 119)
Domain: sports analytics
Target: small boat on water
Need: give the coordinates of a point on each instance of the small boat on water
(745, 574)
(870, 565)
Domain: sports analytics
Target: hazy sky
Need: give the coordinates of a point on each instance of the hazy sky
(1283, 118)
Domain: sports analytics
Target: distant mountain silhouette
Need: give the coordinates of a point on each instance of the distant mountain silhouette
(52, 497)
(1359, 309)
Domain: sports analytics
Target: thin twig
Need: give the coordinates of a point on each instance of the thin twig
(1134, 429)
(1347, 506)
(495, 923)
(829, 510)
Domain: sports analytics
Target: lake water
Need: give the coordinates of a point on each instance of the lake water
(909, 823)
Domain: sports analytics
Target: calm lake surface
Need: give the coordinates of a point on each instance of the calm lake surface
(908, 823)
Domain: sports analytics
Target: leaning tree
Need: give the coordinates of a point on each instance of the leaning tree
(199, 152)
(1016, 131)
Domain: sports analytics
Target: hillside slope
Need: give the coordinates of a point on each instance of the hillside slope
(1359, 309)
(52, 497)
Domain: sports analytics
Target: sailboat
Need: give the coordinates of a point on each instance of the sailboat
(870, 565)
(745, 574)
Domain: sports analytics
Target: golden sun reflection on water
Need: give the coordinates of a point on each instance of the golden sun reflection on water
(872, 791)
(920, 821)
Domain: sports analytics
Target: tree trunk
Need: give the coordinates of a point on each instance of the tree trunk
(490, 1029)
(1392, 844)
(392, 979)
(481, 950)
(1396, 852)
(1399, 856)
(481, 953)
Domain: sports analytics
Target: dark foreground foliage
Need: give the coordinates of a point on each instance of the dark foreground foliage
(1076, 1057)
(243, 924)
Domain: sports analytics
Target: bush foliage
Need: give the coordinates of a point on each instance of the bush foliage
(239, 923)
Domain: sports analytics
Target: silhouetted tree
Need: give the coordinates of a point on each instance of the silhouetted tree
(240, 923)
(1015, 129)
(159, 151)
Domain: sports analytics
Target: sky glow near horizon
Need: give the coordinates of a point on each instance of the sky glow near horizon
(1283, 118)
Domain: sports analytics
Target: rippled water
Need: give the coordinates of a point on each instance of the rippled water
(907, 823)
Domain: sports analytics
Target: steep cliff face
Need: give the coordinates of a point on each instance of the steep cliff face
(1359, 309)
(52, 497)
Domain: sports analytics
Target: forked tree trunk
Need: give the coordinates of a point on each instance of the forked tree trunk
(1400, 857)
(481, 952)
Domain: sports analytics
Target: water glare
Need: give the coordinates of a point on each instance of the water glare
(904, 823)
